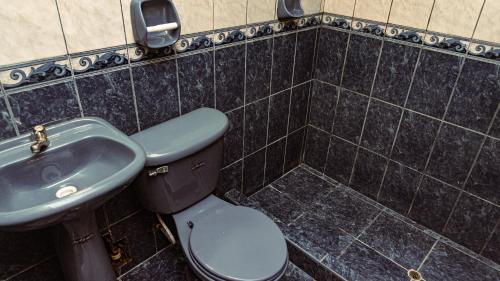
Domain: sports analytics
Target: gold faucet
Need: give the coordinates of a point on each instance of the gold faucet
(40, 137)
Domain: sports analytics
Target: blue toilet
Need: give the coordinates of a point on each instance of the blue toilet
(221, 241)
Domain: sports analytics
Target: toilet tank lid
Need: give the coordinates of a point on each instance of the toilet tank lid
(182, 136)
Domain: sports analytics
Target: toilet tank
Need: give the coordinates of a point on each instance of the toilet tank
(183, 159)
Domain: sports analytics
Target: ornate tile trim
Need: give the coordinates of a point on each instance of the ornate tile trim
(139, 53)
(337, 21)
(36, 73)
(485, 49)
(194, 42)
(227, 36)
(92, 61)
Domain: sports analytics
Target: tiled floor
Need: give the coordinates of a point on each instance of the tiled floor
(170, 265)
(335, 233)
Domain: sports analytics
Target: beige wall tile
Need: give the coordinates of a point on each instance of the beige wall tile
(376, 10)
(229, 13)
(196, 15)
(455, 18)
(129, 32)
(488, 27)
(411, 13)
(261, 10)
(91, 24)
(340, 7)
(29, 30)
(310, 6)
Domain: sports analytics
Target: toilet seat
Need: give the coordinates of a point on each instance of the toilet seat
(237, 244)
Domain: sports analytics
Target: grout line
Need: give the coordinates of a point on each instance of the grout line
(290, 98)
(29, 268)
(367, 110)
(146, 260)
(428, 254)
(330, 139)
(497, 226)
(409, 110)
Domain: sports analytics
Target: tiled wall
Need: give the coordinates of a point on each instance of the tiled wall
(257, 71)
(411, 123)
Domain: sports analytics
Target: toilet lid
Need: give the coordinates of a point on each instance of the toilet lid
(238, 243)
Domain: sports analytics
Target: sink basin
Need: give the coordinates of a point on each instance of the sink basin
(87, 162)
(87, 154)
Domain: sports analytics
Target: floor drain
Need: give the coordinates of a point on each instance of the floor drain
(66, 191)
(414, 275)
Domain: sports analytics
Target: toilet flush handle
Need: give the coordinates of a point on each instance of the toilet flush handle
(157, 171)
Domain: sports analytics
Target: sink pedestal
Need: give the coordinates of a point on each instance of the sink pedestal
(81, 250)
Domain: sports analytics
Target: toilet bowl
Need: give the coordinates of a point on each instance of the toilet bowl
(220, 241)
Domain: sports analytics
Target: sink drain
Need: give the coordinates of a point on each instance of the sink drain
(66, 191)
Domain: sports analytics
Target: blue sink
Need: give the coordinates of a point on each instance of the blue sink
(87, 162)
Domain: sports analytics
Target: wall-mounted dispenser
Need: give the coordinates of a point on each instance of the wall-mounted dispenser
(289, 9)
(155, 23)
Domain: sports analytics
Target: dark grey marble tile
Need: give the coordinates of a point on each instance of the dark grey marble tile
(484, 180)
(491, 248)
(138, 230)
(316, 148)
(399, 187)
(398, 241)
(277, 204)
(196, 81)
(122, 205)
(395, 71)
(283, 54)
(448, 264)
(259, 56)
(253, 172)
(472, 222)
(350, 116)
(168, 265)
(20, 250)
(495, 128)
(294, 145)
(156, 92)
(233, 139)
(303, 186)
(414, 141)
(47, 271)
(256, 116)
(345, 210)
(340, 160)
(434, 80)
(304, 56)
(361, 63)
(230, 178)
(368, 172)
(476, 95)
(317, 235)
(293, 273)
(332, 46)
(6, 126)
(43, 105)
(109, 96)
(279, 108)
(298, 107)
(323, 104)
(361, 263)
(453, 154)
(310, 265)
(229, 77)
(274, 160)
(433, 204)
(380, 128)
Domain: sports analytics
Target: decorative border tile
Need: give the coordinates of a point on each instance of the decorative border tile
(446, 42)
(371, 27)
(38, 72)
(485, 50)
(194, 42)
(232, 35)
(337, 21)
(259, 30)
(403, 33)
(139, 53)
(92, 61)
